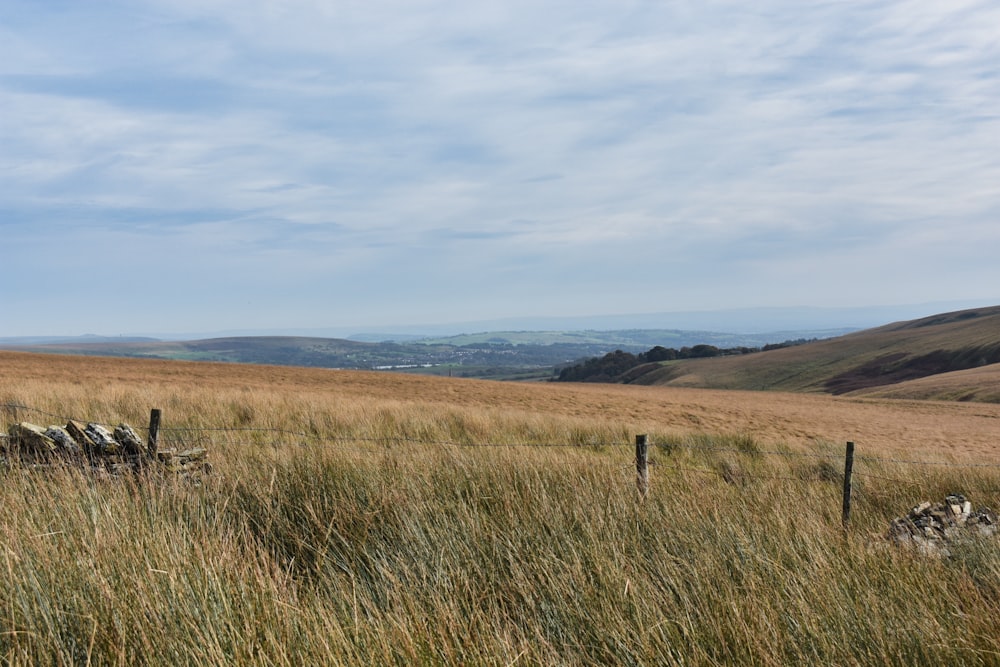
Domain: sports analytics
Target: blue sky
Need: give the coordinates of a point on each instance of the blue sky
(205, 165)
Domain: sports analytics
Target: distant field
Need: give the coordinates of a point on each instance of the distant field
(772, 417)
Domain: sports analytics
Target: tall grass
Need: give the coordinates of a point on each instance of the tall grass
(335, 537)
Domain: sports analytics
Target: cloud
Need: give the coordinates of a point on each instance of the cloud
(740, 153)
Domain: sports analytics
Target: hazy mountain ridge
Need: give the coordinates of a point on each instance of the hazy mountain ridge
(18, 341)
(488, 354)
(891, 359)
(734, 320)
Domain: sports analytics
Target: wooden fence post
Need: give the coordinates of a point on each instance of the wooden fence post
(154, 431)
(642, 464)
(848, 468)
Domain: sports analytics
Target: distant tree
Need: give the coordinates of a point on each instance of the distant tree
(788, 343)
(600, 369)
(698, 351)
(613, 365)
(660, 353)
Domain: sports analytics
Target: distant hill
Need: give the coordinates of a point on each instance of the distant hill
(275, 350)
(631, 339)
(975, 384)
(751, 320)
(947, 356)
(21, 341)
(501, 355)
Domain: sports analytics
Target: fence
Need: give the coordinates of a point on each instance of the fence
(182, 437)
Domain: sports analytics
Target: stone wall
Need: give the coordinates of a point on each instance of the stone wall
(117, 449)
(931, 527)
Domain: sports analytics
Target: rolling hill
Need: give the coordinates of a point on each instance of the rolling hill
(496, 355)
(951, 356)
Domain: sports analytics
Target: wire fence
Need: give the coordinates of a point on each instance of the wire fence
(194, 436)
(824, 471)
(188, 434)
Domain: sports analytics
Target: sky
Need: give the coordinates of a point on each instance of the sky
(205, 165)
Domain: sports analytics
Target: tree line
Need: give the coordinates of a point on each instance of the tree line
(614, 364)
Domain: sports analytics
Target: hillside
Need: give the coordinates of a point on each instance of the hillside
(975, 384)
(481, 359)
(496, 355)
(895, 355)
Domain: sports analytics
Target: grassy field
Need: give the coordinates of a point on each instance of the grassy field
(349, 521)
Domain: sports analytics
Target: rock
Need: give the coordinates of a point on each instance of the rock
(107, 452)
(103, 439)
(79, 434)
(930, 527)
(189, 460)
(62, 438)
(196, 454)
(130, 441)
(31, 439)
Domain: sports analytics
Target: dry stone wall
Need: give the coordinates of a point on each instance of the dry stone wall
(117, 449)
(932, 527)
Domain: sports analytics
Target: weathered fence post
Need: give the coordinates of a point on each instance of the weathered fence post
(848, 468)
(154, 431)
(642, 464)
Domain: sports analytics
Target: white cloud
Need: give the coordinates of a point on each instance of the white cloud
(562, 139)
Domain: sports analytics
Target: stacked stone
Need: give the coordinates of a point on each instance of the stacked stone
(115, 449)
(184, 462)
(931, 526)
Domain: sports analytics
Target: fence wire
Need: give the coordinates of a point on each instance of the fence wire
(202, 435)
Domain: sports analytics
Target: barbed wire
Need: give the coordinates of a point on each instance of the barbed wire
(740, 474)
(746, 450)
(947, 464)
(668, 445)
(882, 478)
(27, 408)
(386, 438)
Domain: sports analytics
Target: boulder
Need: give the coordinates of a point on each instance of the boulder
(103, 439)
(79, 434)
(130, 441)
(67, 444)
(30, 439)
(188, 460)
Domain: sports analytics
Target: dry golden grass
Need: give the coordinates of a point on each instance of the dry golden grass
(327, 536)
(192, 391)
(975, 384)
